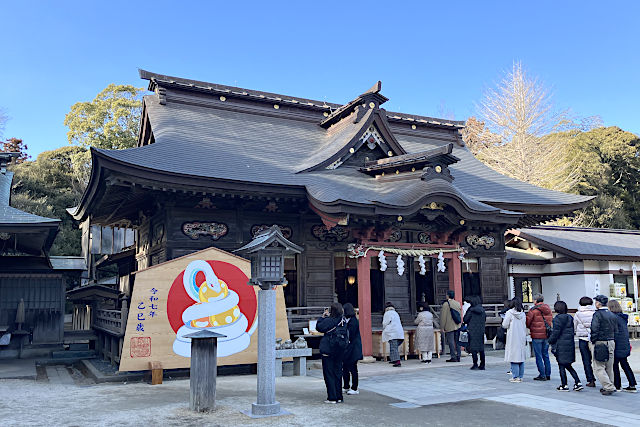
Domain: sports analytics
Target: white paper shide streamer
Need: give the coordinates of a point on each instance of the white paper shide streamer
(441, 267)
(400, 265)
(383, 261)
(423, 269)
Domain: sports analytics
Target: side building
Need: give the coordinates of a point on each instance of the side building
(568, 263)
(216, 164)
(32, 283)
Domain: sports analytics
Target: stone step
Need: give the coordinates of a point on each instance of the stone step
(79, 354)
(58, 374)
(79, 347)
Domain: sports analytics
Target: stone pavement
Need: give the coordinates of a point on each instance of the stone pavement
(31, 403)
(442, 394)
(418, 385)
(17, 369)
(58, 374)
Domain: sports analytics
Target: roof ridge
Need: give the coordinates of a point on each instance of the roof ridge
(187, 83)
(583, 229)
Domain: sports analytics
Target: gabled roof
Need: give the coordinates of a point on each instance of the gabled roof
(212, 137)
(349, 135)
(28, 233)
(412, 161)
(585, 243)
(13, 216)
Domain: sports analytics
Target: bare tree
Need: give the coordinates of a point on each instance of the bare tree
(514, 134)
(4, 118)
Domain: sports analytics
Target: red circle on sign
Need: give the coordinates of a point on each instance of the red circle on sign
(178, 299)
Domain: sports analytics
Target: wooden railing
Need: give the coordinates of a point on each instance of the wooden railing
(298, 317)
(113, 322)
(492, 310)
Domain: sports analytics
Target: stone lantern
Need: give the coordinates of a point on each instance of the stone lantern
(266, 252)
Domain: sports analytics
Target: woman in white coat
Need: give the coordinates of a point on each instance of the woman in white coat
(392, 333)
(515, 350)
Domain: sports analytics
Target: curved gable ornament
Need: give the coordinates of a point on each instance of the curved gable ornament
(476, 241)
(196, 229)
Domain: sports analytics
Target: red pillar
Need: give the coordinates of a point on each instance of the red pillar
(364, 304)
(455, 276)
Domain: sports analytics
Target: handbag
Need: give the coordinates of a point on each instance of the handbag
(548, 328)
(464, 337)
(601, 352)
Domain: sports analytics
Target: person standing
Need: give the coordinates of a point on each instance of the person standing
(564, 347)
(604, 326)
(392, 333)
(353, 352)
(475, 318)
(332, 356)
(464, 347)
(515, 323)
(582, 326)
(537, 320)
(425, 340)
(451, 326)
(622, 350)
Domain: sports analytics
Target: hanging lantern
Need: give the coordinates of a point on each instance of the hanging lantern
(383, 261)
(441, 266)
(423, 269)
(400, 265)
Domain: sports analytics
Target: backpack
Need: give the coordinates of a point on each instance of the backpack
(339, 338)
(455, 315)
(547, 327)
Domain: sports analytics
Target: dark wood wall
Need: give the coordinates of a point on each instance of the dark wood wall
(44, 297)
(161, 238)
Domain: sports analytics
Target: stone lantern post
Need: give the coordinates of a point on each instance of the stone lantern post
(266, 252)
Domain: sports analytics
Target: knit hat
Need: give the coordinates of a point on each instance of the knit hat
(602, 299)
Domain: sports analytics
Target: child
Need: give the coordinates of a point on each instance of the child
(564, 347)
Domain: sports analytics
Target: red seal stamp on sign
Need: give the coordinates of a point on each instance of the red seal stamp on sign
(140, 346)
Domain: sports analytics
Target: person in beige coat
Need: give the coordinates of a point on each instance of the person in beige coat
(425, 340)
(450, 327)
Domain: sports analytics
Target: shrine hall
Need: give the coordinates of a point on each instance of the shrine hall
(387, 206)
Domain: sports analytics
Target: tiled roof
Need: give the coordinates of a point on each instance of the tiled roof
(585, 243)
(200, 133)
(68, 262)
(13, 216)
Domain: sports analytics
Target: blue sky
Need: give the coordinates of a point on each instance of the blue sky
(432, 57)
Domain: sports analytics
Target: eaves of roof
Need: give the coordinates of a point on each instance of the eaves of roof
(571, 253)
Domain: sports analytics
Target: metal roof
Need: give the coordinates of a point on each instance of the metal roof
(585, 243)
(254, 138)
(13, 216)
(68, 262)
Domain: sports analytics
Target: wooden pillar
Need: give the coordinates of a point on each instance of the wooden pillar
(364, 304)
(204, 370)
(455, 276)
(156, 372)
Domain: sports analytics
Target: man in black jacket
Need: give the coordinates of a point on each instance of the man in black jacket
(603, 328)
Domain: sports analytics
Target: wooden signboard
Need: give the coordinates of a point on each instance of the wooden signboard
(206, 289)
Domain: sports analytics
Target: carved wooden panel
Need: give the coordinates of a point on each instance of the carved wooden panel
(319, 281)
(396, 288)
(441, 282)
(493, 279)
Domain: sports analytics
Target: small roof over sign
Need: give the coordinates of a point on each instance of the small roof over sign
(270, 237)
(205, 333)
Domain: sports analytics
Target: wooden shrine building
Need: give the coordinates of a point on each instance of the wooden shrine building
(216, 164)
(32, 283)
